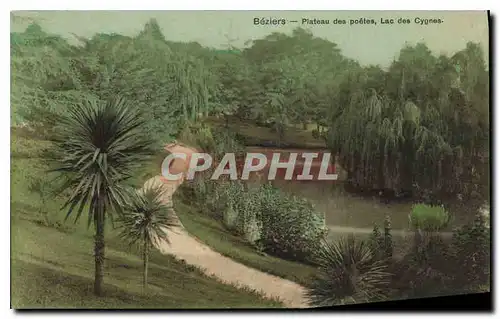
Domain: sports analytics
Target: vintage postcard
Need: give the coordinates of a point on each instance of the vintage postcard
(248, 159)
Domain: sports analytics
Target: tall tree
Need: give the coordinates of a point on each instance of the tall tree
(145, 222)
(400, 135)
(96, 149)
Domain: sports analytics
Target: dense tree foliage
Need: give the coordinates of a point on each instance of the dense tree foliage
(419, 126)
(425, 130)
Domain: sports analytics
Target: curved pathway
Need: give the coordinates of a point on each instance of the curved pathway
(185, 247)
(191, 250)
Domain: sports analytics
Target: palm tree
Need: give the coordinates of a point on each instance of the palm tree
(96, 148)
(145, 222)
(349, 272)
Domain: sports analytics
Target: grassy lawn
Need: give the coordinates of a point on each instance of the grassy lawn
(218, 238)
(53, 269)
(52, 263)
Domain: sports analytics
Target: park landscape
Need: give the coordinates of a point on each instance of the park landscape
(95, 225)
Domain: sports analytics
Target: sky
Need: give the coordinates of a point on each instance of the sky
(367, 43)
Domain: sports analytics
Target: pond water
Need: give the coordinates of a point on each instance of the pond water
(351, 210)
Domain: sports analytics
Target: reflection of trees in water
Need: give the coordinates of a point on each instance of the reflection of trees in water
(346, 209)
(342, 208)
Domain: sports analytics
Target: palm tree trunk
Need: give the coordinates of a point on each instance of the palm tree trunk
(99, 249)
(146, 261)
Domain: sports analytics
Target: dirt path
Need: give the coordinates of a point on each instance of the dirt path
(186, 247)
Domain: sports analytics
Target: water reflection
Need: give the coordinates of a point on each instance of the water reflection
(351, 210)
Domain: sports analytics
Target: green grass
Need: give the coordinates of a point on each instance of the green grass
(52, 269)
(52, 263)
(221, 240)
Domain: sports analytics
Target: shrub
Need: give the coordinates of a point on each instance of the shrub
(484, 210)
(388, 245)
(44, 192)
(424, 282)
(226, 141)
(198, 135)
(200, 188)
(424, 272)
(381, 244)
(214, 194)
(291, 228)
(213, 199)
(376, 242)
(240, 209)
(349, 272)
(231, 194)
(278, 223)
(429, 250)
(205, 138)
(315, 134)
(216, 141)
(436, 267)
(429, 218)
(471, 248)
(440, 268)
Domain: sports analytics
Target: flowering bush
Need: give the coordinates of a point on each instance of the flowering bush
(278, 223)
(291, 228)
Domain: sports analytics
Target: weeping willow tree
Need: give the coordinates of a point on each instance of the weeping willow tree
(180, 81)
(423, 131)
(192, 88)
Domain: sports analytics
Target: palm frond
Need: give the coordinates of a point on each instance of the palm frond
(96, 148)
(349, 270)
(146, 217)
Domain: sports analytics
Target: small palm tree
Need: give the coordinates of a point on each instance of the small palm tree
(97, 146)
(349, 272)
(145, 221)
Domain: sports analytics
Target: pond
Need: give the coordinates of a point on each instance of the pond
(351, 210)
